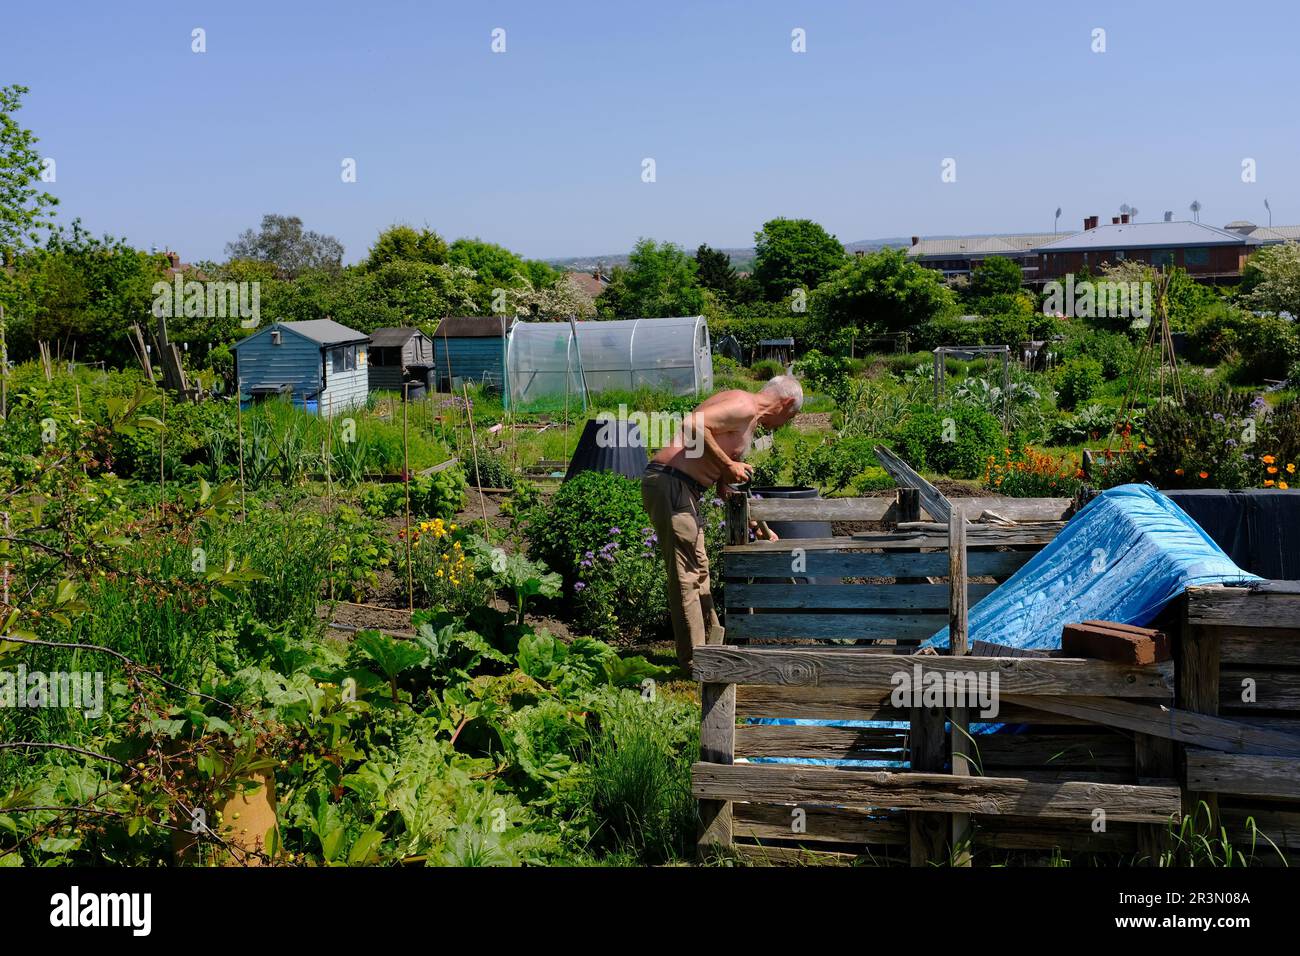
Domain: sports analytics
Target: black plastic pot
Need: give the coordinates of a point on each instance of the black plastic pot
(788, 530)
(610, 445)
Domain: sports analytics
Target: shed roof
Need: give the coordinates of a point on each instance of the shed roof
(320, 331)
(1135, 235)
(392, 338)
(981, 245)
(472, 327)
(1276, 233)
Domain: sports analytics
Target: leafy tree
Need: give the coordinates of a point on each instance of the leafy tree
(496, 267)
(794, 254)
(715, 271)
(281, 240)
(22, 203)
(82, 290)
(405, 243)
(659, 281)
(995, 275)
(1271, 281)
(883, 291)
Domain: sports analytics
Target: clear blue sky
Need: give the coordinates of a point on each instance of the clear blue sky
(540, 148)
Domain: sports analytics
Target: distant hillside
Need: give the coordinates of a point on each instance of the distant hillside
(742, 259)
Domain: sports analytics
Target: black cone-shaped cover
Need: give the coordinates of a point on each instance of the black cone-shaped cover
(609, 444)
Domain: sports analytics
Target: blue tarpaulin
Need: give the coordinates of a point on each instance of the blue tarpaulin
(1127, 554)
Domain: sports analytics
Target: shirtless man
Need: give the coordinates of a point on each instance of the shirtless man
(707, 451)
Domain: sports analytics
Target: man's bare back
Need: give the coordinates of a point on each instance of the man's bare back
(718, 434)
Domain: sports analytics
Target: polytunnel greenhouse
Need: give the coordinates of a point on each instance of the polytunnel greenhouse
(546, 360)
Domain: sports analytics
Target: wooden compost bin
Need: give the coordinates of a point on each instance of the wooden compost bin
(1103, 757)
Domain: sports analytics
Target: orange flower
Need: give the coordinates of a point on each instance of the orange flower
(1268, 483)
(1272, 469)
(1203, 474)
(1178, 471)
(1268, 459)
(1283, 485)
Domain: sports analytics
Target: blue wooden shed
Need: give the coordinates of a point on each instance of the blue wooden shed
(472, 348)
(319, 365)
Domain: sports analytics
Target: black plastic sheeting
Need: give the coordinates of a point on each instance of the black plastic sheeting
(1259, 528)
(612, 444)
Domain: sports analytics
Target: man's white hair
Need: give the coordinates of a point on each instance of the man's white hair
(787, 386)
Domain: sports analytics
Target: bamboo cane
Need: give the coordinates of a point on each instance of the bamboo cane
(406, 484)
(473, 444)
(239, 418)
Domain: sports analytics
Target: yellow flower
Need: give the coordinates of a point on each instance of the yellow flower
(1283, 485)
(1290, 469)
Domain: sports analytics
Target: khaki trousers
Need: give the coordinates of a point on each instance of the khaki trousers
(674, 510)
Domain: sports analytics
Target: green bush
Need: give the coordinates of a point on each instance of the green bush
(954, 442)
(1077, 381)
(580, 516)
(440, 495)
(1203, 443)
(766, 369)
(834, 464)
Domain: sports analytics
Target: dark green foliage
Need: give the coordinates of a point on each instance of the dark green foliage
(792, 254)
(954, 441)
(834, 464)
(1077, 381)
(581, 515)
(1210, 433)
(880, 292)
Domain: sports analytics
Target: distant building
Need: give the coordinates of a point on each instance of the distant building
(1207, 253)
(319, 365)
(959, 257)
(472, 348)
(588, 285)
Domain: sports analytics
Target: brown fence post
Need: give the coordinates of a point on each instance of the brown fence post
(717, 745)
(1196, 688)
(959, 643)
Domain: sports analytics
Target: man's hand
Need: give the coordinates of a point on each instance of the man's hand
(738, 473)
(762, 532)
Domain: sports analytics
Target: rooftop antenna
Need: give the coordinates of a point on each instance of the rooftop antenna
(1270, 213)
(1057, 220)
(1196, 210)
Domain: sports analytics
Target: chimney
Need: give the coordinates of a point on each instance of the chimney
(174, 258)
(1123, 218)
(916, 240)
(1090, 223)
(1114, 220)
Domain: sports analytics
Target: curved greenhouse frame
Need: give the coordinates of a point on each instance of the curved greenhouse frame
(545, 360)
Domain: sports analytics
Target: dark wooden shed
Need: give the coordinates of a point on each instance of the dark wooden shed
(398, 356)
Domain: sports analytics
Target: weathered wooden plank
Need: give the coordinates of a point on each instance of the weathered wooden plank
(977, 536)
(1248, 688)
(1196, 661)
(1028, 833)
(717, 745)
(786, 559)
(903, 627)
(876, 509)
(831, 743)
(760, 821)
(1168, 723)
(847, 596)
(790, 855)
(1245, 774)
(847, 668)
(1259, 646)
(927, 753)
(846, 703)
(1053, 751)
(1241, 607)
(933, 792)
(1280, 826)
(932, 500)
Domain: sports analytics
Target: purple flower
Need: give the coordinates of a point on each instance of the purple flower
(584, 563)
(653, 539)
(614, 531)
(588, 555)
(1259, 403)
(1230, 442)
(717, 502)
(578, 585)
(1218, 417)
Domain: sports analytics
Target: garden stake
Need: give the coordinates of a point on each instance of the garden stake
(406, 486)
(239, 418)
(473, 444)
(329, 483)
